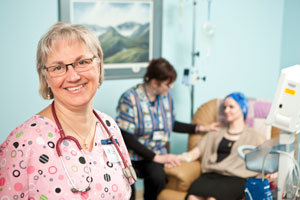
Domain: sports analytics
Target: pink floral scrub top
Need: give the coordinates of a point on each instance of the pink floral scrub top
(31, 169)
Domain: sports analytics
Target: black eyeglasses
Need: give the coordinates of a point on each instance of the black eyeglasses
(79, 66)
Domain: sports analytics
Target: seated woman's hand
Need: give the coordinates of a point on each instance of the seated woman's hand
(207, 128)
(169, 160)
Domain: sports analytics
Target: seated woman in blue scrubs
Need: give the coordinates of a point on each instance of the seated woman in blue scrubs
(145, 115)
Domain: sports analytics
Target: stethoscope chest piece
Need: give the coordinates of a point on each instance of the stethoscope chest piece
(74, 190)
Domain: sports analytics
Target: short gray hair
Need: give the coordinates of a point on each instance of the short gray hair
(58, 31)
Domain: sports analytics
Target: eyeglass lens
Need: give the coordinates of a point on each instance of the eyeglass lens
(79, 66)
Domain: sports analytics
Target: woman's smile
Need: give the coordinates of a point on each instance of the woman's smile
(75, 88)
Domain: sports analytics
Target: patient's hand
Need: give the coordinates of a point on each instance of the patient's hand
(169, 160)
(172, 161)
(207, 128)
(169, 165)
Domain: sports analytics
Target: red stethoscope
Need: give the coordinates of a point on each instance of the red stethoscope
(128, 170)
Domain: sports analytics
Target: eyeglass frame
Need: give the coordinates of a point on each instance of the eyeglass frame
(67, 65)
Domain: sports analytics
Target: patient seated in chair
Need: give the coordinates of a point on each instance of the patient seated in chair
(223, 172)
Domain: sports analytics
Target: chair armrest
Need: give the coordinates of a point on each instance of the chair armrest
(181, 177)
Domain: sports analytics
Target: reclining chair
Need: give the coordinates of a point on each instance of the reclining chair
(180, 178)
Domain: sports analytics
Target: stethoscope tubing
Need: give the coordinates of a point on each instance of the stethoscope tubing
(112, 139)
(127, 170)
(58, 143)
(61, 139)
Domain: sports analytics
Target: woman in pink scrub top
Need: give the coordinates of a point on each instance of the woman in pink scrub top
(70, 69)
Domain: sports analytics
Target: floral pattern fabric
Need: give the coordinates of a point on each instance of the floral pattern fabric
(138, 116)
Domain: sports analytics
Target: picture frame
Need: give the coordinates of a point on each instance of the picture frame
(130, 31)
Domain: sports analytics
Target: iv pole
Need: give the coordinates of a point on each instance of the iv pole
(194, 54)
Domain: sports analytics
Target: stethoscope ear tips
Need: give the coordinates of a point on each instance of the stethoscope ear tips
(74, 190)
(88, 188)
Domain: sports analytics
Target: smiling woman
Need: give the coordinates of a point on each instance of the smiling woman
(74, 86)
(70, 68)
(223, 173)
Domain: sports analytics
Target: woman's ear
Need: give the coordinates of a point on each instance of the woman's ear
(154, 82)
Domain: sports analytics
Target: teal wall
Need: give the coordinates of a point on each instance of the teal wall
(21, 25)
(290, 50)
(245, 54)
(250, 47)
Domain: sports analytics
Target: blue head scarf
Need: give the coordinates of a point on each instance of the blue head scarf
(242, 100)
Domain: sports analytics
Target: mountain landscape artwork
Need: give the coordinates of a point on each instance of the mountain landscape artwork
(124, 28)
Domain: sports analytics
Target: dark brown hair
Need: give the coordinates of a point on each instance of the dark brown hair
(161, 70)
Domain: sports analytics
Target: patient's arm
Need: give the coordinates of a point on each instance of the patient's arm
(190, 156)
(196, 152)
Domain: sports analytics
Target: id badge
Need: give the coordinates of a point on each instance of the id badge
(110, 151)
(158, 135)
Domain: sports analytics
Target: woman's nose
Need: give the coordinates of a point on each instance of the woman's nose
(226, 110)
(72, 75)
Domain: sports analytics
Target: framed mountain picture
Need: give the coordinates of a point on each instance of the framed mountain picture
(129, 31)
